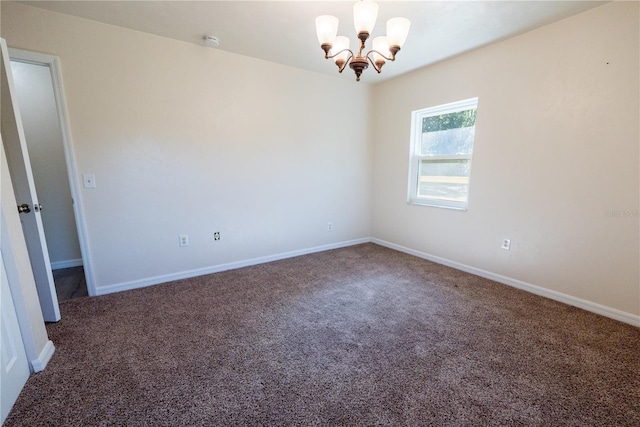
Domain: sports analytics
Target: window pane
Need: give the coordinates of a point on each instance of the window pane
(451, 133)
(444, 179)
(459, 119)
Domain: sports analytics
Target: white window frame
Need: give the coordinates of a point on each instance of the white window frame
(415, 157)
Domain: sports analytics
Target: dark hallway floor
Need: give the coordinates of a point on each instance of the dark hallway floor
(70, 283)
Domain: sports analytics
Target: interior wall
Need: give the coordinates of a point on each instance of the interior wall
(555, 164)
(38, 109)
(188, 140)
(184, 139)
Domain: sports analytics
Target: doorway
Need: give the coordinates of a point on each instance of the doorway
(37, 85)
(36, 100)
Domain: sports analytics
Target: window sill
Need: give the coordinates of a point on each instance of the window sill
(435, 204)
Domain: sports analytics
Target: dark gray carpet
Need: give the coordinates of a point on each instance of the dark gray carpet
(356, 336)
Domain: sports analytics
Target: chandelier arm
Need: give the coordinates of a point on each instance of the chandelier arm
(372, 62)
(327, 56)
(392, 58)
(343, 66)
(341, 69)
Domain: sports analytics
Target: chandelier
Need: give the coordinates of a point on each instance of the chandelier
(384, 48)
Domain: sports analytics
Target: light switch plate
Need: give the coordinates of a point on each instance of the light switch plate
(89, 180)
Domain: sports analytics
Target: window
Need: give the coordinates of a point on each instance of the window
(441, 148)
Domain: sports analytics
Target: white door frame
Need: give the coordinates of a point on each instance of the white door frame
(72, 171)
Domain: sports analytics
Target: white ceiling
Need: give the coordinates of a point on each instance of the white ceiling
(284, 31)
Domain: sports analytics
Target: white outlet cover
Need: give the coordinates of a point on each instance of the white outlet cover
(89, 180)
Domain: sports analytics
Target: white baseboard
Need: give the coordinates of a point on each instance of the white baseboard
(57, 265)
(40, 363)
(125, 286)
(593, 307)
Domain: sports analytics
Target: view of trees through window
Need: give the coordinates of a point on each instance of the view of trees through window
(460, 119)
(448, 134)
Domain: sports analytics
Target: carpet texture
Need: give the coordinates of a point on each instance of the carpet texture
(362, 335)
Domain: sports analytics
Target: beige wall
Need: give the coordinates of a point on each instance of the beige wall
(556, 149)
(185, 139)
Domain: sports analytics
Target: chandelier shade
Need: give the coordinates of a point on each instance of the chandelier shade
(365, 13)
(397, 31)
(380, 50)
(341, 49)
(326, 28)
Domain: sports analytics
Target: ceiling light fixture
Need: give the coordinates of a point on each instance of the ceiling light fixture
(384, 49)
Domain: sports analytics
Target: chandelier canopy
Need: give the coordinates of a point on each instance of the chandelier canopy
(384, 48)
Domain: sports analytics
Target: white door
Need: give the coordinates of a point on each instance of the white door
(20, 167)
(14, 368)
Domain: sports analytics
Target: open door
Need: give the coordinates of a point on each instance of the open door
(20, 168)
(14, 367)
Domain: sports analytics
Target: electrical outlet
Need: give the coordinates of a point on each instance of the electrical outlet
(216, 235)
(330, 226)
(506, 244)
(89, 180)
(184, 240)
